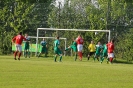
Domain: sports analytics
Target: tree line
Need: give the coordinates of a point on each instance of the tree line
(28, 15)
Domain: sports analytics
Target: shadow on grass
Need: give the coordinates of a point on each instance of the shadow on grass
(122, 62)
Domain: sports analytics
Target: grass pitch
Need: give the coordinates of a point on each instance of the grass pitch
(45, 73)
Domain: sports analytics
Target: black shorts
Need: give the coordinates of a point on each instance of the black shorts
(91, 53)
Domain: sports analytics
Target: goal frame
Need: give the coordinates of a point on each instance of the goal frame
(55, 29)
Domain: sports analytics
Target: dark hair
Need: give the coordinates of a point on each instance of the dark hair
(20, 33)
(112, 40)
(57, 37)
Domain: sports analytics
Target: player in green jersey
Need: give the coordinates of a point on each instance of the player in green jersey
(98, 51)
(74, 48)
(104, 53)
(57, 50)
(43, 48)
(27, 46)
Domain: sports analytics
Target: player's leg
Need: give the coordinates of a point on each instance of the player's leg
(15, 53)
(20, 51)
(56, 54)
(75, 51)
(88, 57)
(60, 53)
(80, 47)
(42, 49)
(45, 50)
(96, 56)
(102, 57)
(68, 48)
(90, 54)
(108, 58)
(111, 57)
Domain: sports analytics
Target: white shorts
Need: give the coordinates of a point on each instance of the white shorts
(110, 55)
(18, 47)
(80, 47)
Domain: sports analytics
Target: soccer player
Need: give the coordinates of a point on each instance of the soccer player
(73, 47)
(57, 50)
(98, 51)
(110, 47)
(27, 46)
(92, 49)
(44, 47)
(18, 41)
(80, 42)
(104, 53)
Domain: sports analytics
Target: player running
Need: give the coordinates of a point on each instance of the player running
(80, 42)
(27, 46)
(98, 51)
(110, 46)
(57, 50)
(74, 48)
(18, 41)
(44, 47)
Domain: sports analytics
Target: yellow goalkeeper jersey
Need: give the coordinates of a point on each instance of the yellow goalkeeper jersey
(92, 47)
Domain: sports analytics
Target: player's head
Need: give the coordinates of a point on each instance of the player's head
(92, 42)
(43, 39)
(112, 40)
(57, 37)
(20, 33)
(99, 43)
(26, 34)
(79, 35)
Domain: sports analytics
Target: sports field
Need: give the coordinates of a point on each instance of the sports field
(45, 73)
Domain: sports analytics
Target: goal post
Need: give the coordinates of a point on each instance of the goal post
(66, 33)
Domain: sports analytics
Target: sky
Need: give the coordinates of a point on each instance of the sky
(57, 2)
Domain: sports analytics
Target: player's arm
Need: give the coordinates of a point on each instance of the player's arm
(24, 38)
(13, 40)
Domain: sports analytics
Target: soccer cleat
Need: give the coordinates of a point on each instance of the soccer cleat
(18, 58)
(15, 59)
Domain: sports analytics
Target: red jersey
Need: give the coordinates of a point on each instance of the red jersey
(79, 40)
(18, 39)
(110, 47)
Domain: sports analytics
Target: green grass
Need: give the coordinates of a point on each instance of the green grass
(45, 73)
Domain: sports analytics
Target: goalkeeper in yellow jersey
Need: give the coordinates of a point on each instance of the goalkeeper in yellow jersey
(92, 49)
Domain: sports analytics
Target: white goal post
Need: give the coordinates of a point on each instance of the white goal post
(80, 30)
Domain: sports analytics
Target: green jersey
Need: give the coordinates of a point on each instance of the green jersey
(104, 48)
(74, 46)
(56, 49)
(43, 43)
(56, 43)
(98, 48)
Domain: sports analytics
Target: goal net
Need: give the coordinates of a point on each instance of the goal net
(68, 34)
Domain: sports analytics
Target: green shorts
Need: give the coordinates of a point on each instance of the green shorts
(57, 51)
(43, 50)
(98, 54)
(105, 54)
(73, 48)
(26, 47)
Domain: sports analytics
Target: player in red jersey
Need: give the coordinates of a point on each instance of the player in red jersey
(110, 47)
(18, 41)
(80, 42)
